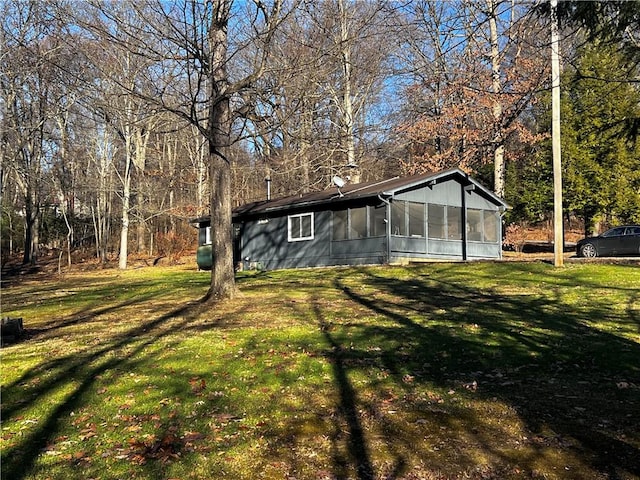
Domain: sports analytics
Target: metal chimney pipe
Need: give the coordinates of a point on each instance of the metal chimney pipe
(268, 180)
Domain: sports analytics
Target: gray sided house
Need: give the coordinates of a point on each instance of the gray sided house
(446, 215)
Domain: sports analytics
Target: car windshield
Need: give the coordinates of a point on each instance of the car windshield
(614, 232)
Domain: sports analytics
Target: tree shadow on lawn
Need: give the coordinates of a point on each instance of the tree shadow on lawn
(575, 387)
(348, 408)
(88, 302)
(81, 370)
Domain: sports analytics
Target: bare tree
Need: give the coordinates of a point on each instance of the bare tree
(319, 95)
(492, 13)
(358, 50)
(100, 162)
(29, 107)
(471, 104)
(188, 43)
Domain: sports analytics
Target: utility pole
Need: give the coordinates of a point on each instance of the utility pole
(558, 233)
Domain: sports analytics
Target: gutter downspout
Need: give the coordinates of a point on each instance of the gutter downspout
(388, 229)
(464, 223)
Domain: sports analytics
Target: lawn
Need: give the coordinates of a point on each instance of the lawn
(438, 371)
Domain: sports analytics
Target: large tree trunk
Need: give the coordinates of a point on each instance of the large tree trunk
(222, 271)
(218, 134)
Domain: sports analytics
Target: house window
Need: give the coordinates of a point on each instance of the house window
(378, 221)
(454, 223)
(205, 236)
(474, 225)
(444, 222)
(416, 219)
(437, 221)
(300, 227)
(482, 226)
(398, 223)
(491, 223)
(359, 222)
(340, 222)
(407, 219)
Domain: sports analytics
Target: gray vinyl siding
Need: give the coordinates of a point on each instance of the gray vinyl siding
(447, 193)
(264, 243)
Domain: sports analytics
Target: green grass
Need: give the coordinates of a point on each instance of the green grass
(484, 370)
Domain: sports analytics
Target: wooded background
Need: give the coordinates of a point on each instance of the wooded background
(111, 111)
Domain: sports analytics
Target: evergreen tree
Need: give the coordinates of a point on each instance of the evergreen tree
(600, 148)
(600, 153)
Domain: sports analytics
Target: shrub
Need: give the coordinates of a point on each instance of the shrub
(514, 238)
(173, 245)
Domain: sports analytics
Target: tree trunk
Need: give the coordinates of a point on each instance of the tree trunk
(219, 136)
(202, 179)
(222, 271)
(306, 131)
(124, 232)
(30, 231)
(496, 87)
(64, 201)
(347, 100)
(126, 205)
(141, 140)
(100, 210)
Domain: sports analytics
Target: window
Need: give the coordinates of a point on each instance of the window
(436, 222)
(616, 232)
(407, 219)
(300, 227)
(359, 222)
(205, 236)
(398, 224)
(490, 226)
(340, 220)
(445, 222)
(482, 226)
(474, 225)
(416, 219)
(378, 221)
(358, 225)
(454, 223)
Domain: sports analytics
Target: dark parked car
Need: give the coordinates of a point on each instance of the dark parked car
(623, 240)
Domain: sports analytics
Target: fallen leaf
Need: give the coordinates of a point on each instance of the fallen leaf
(192, 436)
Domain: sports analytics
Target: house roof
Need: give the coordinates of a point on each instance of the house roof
(351, 192)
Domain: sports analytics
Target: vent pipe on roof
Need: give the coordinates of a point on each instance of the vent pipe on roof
(268, 180)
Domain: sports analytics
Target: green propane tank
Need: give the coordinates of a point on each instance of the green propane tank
(204, 257)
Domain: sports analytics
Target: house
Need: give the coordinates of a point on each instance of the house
(400, 220)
